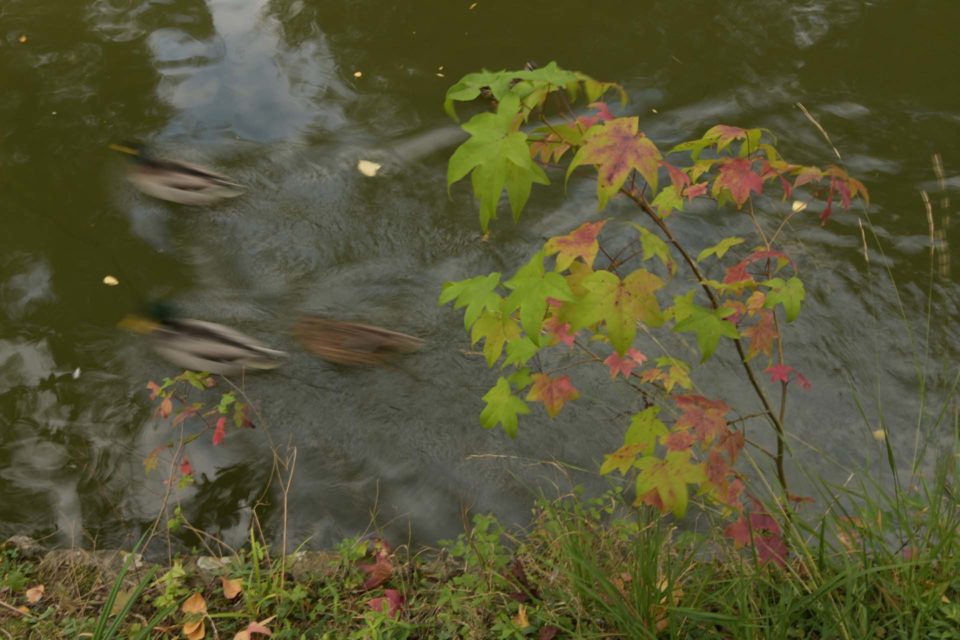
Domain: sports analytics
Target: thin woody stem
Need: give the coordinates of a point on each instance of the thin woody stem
(715, 303)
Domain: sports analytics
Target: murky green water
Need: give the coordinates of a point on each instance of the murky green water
(266, 92)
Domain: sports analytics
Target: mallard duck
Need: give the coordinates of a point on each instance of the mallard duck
(203, 346)
(175, 181)
(351, 343)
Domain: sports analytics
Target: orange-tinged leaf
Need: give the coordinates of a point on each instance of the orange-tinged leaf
(669, 478)
(579, 243)
(231, 588)
(756, 302)
(806, 175)
(34, 594)
(621, 459)
(194, 630)
(616, 148)
(194, 604)
(706, 417)
(166, 408)
(737, 176)
(552, 392)
(762, 334)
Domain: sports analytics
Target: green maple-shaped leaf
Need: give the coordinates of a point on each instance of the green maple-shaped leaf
(737, 179)
(621, 459)
(790, 294)
(618, 304)
(502, 408)
(669, 478)
(497, 155)
(552, 392)
(617, 148)
(476, 294)
(580, 243)
(645, 429)
(654, 247)
(709, 326)
(531, 286)
(519, 352)
(667, 201)
(496, 328)
(720, 249)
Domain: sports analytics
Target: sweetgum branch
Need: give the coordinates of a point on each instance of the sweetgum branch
(775, 420)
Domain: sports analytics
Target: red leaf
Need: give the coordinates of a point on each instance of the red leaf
(390, 603)
(763, 530)
(737, 176)
(695, 190)
(552, 392)
(679, 178)
(679, 441)
(638, 357)
(548, 632)
(762, 334)
(166, 408)
(779, 373)
(185, 468)
(559, 331)
(738, 273)
(825, 214)
(618, 365)
(706, 417)
(154, 389)
(804, 383)
(579, 243)
(787, 188)
(377, 573)
(717, 468)
(601, 114)
(731, 442)
(220, 431)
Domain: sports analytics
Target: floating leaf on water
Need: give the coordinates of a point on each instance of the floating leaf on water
(23, 38)
(472, 7)
(368, 168)
(110, 281)
(76, 373)
(358, 74)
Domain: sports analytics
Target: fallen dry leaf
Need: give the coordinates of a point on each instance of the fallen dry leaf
(521, 619)
(23, 38)
(194, 604)
(369, 168)
(358, 74)
(110, 281)
(231, 588)
(34, 594)
(254, 627)
(194, 630)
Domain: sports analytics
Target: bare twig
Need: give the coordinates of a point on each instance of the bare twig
(822, 131)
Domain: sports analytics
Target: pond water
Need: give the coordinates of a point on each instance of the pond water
(266, 91)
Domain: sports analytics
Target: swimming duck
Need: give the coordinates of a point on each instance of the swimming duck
(175, 181)
(203, 346)
(351, 343)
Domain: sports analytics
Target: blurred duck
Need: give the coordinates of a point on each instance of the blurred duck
(175, 181)
(351, 343)
(203, 346)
